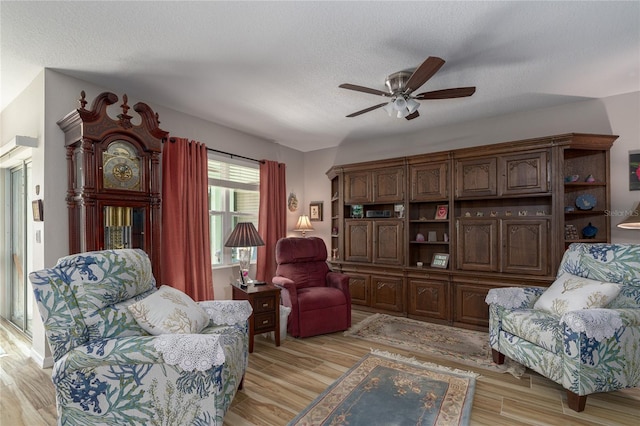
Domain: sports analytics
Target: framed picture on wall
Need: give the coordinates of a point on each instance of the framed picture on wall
(634, 170)
(315, 211)
(38, 210)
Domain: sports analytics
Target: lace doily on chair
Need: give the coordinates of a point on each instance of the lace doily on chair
(227, 312)
(190, 351)
(508, 298)
(598, 324)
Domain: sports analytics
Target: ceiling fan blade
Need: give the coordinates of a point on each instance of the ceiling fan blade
(364, 89)
(412, 115)
(367, 109)
(458, 92)
(424, 72)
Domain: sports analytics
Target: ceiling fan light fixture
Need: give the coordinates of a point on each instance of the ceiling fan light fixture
(400, 103)
(412, 105)
(403, 113)
(389, 108)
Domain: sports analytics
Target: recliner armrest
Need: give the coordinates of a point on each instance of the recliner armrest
(514, 297)
(338, 280)
(289, 293)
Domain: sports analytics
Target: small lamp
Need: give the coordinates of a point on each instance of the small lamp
(244, 237)
(633, 220)
(303, 225)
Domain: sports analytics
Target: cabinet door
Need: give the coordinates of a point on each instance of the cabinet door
(358, 242)
(359, 289)
(358, 187)
(388, 186)
(429, 182)
(470, 305)
(429, 298)
(478, 244)
(526, 246)
(388, 247)
(387, 293)
(524, 173)
(476, 177)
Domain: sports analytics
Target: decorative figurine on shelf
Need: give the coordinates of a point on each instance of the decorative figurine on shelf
(590, 178)
(589, 231)
(334, 254)
(420, 238)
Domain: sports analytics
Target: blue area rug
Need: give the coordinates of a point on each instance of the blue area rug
(388, 389)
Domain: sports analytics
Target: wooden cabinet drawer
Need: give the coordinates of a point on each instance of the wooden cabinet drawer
(265, 321)
(264, 304)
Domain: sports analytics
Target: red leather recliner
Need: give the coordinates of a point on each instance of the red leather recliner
(319, 298)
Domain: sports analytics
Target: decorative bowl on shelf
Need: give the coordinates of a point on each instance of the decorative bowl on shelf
(572, 178)
(586, 202)
(589, 231)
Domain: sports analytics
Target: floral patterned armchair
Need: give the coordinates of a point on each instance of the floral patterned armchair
(109, 370)
(588, 348)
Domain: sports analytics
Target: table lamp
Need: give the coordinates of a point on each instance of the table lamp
(245, 237)
(303, 225)
(633, 220)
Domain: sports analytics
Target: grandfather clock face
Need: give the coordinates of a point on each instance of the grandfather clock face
(121, 166)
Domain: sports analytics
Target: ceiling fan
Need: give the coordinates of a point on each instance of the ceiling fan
(402, 84)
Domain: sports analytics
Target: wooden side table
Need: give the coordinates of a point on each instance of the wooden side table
(265, 301)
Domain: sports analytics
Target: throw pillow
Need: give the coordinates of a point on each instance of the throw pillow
(571, 293)
(169, 311)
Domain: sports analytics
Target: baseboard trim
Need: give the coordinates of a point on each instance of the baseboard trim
(42, 362)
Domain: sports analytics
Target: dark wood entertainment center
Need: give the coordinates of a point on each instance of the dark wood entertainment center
(510, 214)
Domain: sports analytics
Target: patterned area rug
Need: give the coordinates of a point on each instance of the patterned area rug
(388, 389)
(467, 347)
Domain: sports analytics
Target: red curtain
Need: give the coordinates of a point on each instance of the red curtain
(272, 219)
(186, 250)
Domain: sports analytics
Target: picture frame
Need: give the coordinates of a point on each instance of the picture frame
(38, 210)
(442, 212)
(315, 211)
(440, 260)
(634, 170)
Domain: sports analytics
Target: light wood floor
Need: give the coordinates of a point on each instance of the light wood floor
(282, 381)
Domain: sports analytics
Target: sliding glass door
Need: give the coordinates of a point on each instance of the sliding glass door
(20, 246)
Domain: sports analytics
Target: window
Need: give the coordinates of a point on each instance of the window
(234, 196)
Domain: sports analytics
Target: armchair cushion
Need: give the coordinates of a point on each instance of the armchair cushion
(570, 293)
(168, 311)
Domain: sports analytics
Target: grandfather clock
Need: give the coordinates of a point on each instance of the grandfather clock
(113, 169)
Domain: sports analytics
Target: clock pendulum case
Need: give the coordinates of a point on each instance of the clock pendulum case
(113, 169)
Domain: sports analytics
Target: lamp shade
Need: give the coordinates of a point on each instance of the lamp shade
(412, 105)
(633, 220)
(303, 224)
(244, 235)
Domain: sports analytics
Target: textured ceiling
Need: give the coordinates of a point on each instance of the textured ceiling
(272, 69)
